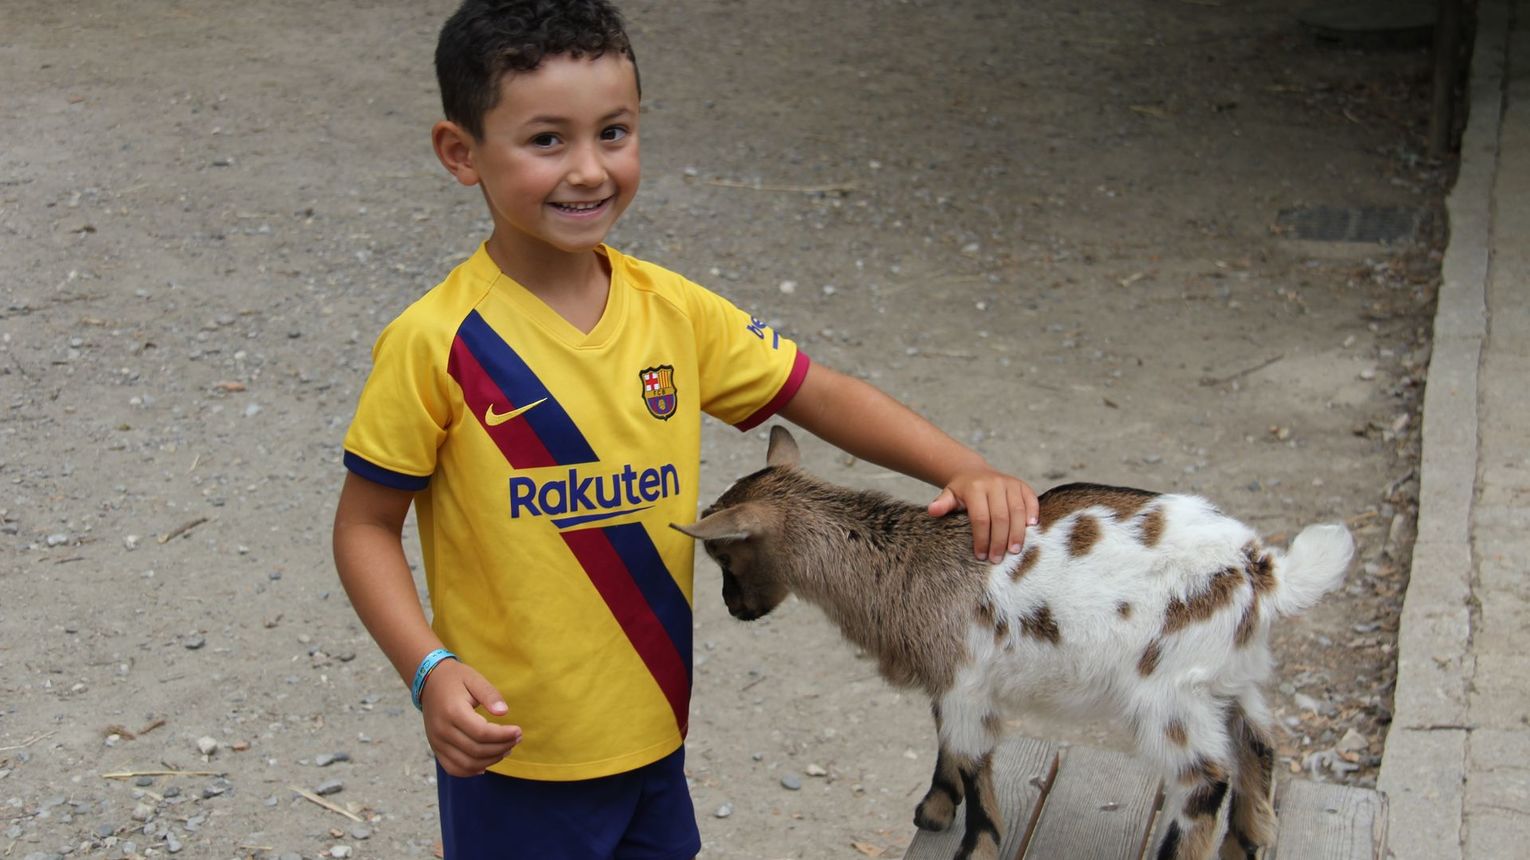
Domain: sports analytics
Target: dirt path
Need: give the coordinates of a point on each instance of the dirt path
(1054, 230)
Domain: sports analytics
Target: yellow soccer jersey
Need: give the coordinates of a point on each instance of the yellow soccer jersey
(548, 464)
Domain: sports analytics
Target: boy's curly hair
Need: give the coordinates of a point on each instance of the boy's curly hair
(486, 39)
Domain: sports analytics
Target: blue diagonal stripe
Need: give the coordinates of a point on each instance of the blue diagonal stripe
(659, 588)
(548, 420)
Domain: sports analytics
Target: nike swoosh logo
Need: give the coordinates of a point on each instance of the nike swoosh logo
(493, 420)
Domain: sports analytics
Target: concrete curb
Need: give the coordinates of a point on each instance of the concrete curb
(1423, 767)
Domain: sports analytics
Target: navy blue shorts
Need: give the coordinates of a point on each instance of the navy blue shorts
(644, 814)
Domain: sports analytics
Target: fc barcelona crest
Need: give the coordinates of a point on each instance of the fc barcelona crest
(659, 391)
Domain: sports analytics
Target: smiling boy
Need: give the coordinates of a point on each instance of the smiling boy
(541, 408)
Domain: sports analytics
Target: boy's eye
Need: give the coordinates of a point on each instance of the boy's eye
(545, 139)
(615, 132)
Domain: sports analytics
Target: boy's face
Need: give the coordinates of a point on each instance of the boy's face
(558, 160)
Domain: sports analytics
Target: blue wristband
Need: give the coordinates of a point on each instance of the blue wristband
(420, 674)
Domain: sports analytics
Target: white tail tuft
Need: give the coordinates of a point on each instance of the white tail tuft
(1314, 566)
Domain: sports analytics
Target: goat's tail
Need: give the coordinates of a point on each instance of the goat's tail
(1313, 566)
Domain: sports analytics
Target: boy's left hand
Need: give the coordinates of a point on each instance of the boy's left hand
(999, 505)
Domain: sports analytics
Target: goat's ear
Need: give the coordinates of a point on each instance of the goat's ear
(735, 523)
(783, 448)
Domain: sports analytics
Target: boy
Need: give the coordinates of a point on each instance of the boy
(541, 409)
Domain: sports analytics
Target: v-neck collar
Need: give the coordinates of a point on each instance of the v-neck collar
(529, 305)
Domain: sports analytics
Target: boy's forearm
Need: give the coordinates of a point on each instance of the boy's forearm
(858, 418)
(369, 557)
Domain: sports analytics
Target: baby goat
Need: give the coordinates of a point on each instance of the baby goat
(1155, 608)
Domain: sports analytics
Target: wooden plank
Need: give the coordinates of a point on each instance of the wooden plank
(1023, 771)
(1322, 821)
(1101, 807)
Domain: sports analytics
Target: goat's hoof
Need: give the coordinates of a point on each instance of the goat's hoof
(935, 813)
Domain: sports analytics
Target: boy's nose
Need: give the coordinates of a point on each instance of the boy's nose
(586, 168)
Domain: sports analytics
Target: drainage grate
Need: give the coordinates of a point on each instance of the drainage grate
(1384, 224)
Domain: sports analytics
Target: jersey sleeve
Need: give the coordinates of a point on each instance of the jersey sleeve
(402, 415)
(748, 370)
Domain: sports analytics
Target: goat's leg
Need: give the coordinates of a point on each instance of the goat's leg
(938, 808)
(1251, 819)
(1189, 740)
(968, 734)
(980, 841)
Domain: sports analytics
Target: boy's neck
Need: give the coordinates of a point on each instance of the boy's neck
(575, 285)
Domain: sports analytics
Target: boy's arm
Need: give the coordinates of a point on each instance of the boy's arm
(860, 419)
(369, 556)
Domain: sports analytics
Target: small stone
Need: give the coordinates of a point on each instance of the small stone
(1306, 702)
(816, 770)
(142, 812)
(328, 787)
(788, 287)
(723, 811)
(1353, 741)
(57, 539)
(791, 782)
(327, 759)
(104, 830)
(361, 832)
(1368, 374)
(172, 844)
(207, 745)
(144, 781)
(194, 642)
(340, 851)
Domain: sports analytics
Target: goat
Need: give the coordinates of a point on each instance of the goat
(1151, 607)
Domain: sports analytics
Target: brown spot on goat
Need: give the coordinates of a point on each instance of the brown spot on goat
(1000, 630)
(1248, 623)
(1151, 528)
(1202, 770)
(1039, 624)
(1058, 502)
(1124, 609)
(1085, 534)
(1175, 732)
(1028, 560)
(1200, 813)
(1148, 662)
(1260, 570)
(1218, 592)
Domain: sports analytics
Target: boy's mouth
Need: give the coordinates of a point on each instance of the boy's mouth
(588, 208)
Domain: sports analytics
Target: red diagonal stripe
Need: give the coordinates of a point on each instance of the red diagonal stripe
(609, 574)
(516, 439)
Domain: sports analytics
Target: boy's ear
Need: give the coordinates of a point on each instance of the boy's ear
(454, 146)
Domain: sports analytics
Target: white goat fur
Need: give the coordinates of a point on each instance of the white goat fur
(1151, 608)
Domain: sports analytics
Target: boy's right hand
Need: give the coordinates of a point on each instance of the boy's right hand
(464, 742)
